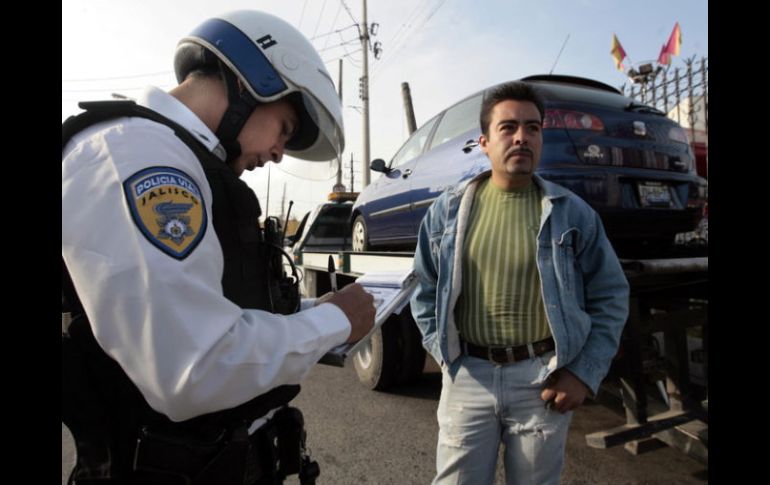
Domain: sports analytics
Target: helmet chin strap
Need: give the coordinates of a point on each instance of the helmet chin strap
(240, 106)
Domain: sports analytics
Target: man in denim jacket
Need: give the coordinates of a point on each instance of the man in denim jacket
(522, 301)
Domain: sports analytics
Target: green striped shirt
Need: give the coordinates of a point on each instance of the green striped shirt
(501, 303)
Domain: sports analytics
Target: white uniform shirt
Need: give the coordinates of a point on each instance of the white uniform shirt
(188, 349)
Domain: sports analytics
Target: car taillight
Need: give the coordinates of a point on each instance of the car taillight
(571, 120)
(676, 133)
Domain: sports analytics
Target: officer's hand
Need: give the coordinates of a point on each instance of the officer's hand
(565, 390)
(323, 298)
(358, 306)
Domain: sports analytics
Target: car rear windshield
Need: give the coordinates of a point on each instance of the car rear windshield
(578, 94)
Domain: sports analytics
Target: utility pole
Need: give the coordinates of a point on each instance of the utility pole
(365, 94)
(408, 109)
(339, 187)
(351, 172)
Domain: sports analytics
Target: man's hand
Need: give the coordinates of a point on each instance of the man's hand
(565, 390)
(358, 306)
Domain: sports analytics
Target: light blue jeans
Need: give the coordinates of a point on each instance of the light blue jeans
(489, 404)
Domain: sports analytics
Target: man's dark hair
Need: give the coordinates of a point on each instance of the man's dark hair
(515, 90)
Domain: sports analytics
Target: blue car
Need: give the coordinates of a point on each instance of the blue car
(630, 162)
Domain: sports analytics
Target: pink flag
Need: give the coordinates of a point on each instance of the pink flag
(671, 48)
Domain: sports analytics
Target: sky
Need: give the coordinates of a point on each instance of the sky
(444, 49)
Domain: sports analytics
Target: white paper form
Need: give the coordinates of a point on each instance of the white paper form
(391, 291)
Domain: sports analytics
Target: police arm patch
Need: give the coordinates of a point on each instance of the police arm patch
(167, 206)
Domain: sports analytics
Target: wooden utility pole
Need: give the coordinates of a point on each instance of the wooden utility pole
(339, 187)
(365, 95)
(408, 109)
(351, 173)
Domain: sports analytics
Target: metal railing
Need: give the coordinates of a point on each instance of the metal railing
(681, 93)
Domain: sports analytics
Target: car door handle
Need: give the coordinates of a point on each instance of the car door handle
(469, 145)
(407, 172)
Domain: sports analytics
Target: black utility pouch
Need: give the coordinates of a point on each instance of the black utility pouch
(192, 456)
(278, 446)
(228, 467)
(291, 439)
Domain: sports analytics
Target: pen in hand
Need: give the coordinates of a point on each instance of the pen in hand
(332, 274)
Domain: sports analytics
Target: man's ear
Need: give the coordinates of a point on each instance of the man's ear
(483, 143)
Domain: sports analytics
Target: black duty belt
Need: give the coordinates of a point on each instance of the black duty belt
(507, 355)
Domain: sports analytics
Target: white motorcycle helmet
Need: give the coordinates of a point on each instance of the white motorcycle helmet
(273, 60)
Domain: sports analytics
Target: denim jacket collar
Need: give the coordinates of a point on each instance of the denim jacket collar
(550, 190)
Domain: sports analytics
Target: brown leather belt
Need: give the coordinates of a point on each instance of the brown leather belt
(507, 355)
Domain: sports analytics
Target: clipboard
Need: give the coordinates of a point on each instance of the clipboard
(391, 291)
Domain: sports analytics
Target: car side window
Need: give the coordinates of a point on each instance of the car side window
(457, 120)
(413, 146)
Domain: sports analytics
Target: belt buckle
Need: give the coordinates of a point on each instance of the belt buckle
(509, 356)
(493, 358)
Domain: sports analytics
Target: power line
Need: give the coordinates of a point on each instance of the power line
(302, 15)
(334, 22)
(401, 34)
(342, 44)
(412, 17)
(410, 29)
(438, 6)
(333, 32)
(408, 32)
(347, 9)
(323, 7)
(347, 56)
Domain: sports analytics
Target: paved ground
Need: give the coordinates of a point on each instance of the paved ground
(364, 437)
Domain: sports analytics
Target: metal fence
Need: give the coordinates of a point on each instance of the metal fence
(681, 93)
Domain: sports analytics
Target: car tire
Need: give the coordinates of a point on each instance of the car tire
(376, 363)
(360, 235)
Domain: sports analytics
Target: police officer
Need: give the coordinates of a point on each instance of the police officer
(177, 356)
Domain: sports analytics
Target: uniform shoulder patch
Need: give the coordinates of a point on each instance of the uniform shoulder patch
(167, 207)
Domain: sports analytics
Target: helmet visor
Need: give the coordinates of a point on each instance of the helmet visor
(319, 137)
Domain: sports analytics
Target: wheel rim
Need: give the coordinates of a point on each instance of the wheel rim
(359, 235)
(364, 355)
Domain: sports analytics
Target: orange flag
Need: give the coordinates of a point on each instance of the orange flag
(671, 48)
(617, 53)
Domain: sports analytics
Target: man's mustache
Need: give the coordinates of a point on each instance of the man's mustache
(519, 151)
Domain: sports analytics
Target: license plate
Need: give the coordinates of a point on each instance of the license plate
(654, 194)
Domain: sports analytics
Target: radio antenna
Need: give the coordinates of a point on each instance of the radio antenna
(559, 55)
(286, 223)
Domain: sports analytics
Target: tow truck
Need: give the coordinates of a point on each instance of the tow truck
(659, 375)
